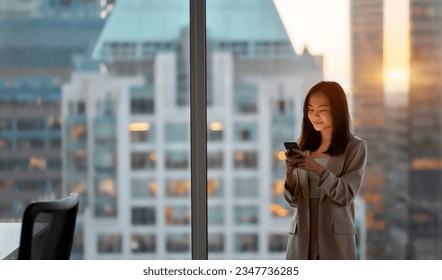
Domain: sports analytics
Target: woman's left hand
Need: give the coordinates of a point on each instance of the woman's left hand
(309, 164)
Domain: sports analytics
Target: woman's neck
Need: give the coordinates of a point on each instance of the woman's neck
(326, 137)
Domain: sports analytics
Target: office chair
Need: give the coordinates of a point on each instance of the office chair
(48, 229)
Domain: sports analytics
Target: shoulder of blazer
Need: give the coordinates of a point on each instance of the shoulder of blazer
(356, 143)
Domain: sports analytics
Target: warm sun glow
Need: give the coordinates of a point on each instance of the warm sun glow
(327, 33)
(396, 80)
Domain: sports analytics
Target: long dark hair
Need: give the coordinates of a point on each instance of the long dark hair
(310, 138)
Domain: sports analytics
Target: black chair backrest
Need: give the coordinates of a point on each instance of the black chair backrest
(48, 229)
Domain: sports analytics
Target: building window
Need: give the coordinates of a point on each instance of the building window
(143, 243)
(246, 215)
(5, 124)
(177, 215)
(143, 216)
(246, 187)
(5, 143)
(30, 124)
(215, 242)
(142, 106)
(143, 188)
(177, 242)
(215, 215)
(215, 160)
(245, 159)
(176, 132)
(246, 132)
(215, 187)
(145, 135)
(245, 99)
(246, 243)
(109, 243)
(177, 160)
(143, 160)
(81, 108)
(277, 243)
(177, 187)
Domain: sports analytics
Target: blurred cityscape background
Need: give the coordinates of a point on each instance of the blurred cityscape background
(94, 99)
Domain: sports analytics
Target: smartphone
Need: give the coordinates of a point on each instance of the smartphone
(291, 145)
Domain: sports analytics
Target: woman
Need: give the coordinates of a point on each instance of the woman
(324, 180)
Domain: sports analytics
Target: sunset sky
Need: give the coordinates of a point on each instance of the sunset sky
(323, 26)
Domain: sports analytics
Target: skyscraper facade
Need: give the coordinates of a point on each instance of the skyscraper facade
(369, 116)
(425, 132)
(41, 42)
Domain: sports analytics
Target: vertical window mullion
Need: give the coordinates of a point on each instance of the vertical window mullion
(198, 128)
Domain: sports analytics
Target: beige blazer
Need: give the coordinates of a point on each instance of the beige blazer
(336, 230)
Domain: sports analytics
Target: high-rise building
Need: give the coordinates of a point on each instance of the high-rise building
(425, 129)
(41, 42)
(369, 116)
(30, 143)
(396, 139)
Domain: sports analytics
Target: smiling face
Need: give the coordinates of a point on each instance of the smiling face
(319, 112)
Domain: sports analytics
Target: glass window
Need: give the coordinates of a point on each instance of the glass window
(143, 243)
(143, 188)
(246, 243)
(216, 215)
(176, 132)
(246, 215)
(177, 160)
(143, 216)
(246, 187)
(178, 187)
(215, 160)
(246, 159)
(177, 215)
(246, 132)
(178, 242)
(145, 134)
(215, 243)
(277, 243)
(215, 187)
(143, 160)
(109, 243)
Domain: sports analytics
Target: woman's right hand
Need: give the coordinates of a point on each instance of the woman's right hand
(292, 161)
